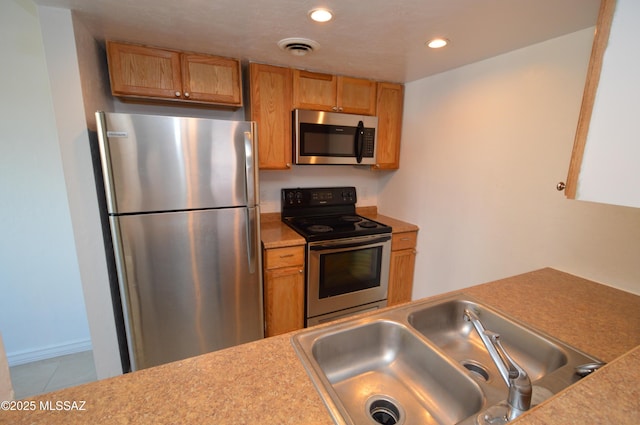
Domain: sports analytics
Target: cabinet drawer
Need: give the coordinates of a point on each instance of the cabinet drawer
(284, 257)
(405, 240)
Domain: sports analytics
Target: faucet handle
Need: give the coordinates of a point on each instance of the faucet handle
(512, 369)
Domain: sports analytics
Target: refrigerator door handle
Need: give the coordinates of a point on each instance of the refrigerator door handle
(252, 238)
(250, 161)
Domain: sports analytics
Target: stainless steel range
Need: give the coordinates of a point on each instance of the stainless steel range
(347, 255)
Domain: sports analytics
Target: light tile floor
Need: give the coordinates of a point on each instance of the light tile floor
(40, 377)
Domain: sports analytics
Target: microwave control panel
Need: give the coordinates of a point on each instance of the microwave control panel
(368, 142)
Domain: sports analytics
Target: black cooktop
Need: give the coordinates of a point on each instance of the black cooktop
(326, 213)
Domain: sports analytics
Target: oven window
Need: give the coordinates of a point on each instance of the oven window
(350, 271)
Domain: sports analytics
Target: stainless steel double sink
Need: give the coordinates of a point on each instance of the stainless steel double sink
(424, 364)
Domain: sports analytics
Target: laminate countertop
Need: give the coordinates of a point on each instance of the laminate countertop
(276, 234)
(263, 382)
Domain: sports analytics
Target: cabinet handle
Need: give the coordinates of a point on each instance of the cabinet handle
(560, 186)
(186, 94)
(177, 94)
(286, 256)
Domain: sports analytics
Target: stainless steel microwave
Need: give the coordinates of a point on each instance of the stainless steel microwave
(334, 138)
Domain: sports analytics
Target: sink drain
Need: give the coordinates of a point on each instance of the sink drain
(476, 369)
(384, 410)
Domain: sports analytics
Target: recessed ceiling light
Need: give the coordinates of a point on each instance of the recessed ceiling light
(437, 43)
(320, 15)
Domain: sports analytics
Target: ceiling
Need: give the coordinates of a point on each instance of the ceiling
(378, 39)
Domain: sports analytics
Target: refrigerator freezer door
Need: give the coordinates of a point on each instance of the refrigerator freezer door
(191, 282)
(157, 163)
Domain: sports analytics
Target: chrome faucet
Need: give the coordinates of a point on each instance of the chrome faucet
(516, 378)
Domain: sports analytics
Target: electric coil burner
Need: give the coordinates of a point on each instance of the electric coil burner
(347, 255)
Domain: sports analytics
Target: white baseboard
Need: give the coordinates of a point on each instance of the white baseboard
(28, 356)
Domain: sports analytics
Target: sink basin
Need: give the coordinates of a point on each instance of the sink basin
(549, 362)
(444, 325)
(423, 363)
(384, 360)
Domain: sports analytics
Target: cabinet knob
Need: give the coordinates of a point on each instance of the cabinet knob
(300, 271)
(334, 109)
(186, 94)
(560, 186)
(288, 165)
(340, 109)
(177, 94)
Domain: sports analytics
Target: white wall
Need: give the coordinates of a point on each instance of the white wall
(483, 148)
(64, 75)
(42, 311)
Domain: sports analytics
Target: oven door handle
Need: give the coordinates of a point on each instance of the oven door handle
(334, 245)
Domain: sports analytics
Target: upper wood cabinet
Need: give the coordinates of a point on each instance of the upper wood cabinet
(326, 92)
(211, 79)
(390, 106)
(356, 96)
(154, 73)
(270, 106)
(604, 162)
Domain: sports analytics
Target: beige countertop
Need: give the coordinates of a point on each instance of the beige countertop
(398, 226)
(264, 382)
(276, 234)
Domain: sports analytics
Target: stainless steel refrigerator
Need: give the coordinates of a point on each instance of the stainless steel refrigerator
(182, 202)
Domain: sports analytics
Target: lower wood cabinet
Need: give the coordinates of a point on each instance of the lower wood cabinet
(283, 289)
(403, 260)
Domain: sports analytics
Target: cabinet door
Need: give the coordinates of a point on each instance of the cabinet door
(270, 99)
(401, 276)
(211, 79)
(143, 71)
(604, 162)
(356, 96)
(312, 90)
(390, 105)
(284, 300)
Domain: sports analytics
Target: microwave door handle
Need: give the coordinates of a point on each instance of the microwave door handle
(359, 141)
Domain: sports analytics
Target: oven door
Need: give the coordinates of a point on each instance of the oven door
(345, 273)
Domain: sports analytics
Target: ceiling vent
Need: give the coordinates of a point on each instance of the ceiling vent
(298, 46)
